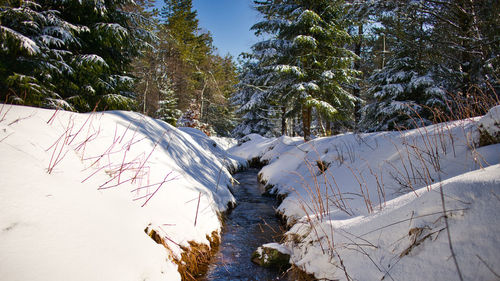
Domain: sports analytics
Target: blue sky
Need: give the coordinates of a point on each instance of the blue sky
(229, 22)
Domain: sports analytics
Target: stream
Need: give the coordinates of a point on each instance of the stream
(249, 225)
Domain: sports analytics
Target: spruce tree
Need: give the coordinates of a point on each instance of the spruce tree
(35, 45)
(465, 37)
(307, 59)
(257, 115)
(201, 80)
(188, 50)
(430, 56)
(102, 62)
(405, 90)
(71, 54)
(167, 104)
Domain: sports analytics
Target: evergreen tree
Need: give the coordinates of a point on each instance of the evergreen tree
(256, 113)
(306, 58)
(72, 54)
(197, 74)
(188, 51)
(115, 36)
(404, 97)
(34, 53)
(167, 105)
(431, 54)
(360, 15)
(405, 89)
(465, 37)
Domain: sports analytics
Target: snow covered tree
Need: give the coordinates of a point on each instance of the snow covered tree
(360, 16)
(167, 106)
(405, 89)
(257, 115)
(306, 59)
(404, 96)
(454, 50)
(102, 60)
(72, 54)
(465, 37)
(34, 53)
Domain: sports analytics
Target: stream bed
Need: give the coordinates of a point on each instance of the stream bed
(248, 226)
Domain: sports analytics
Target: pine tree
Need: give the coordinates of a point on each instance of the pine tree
(404, 97)
(359, 16)
(306, 59)
(115, 36)
(197, 74)
(71, 54)
(405, 90)
(188, 51)
(167, 105)
(257, 115)
(34, 53)
(465, 37)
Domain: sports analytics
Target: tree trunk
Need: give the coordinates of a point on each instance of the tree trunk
(328, 127)
(357, 66)
(306, 122)
(144, 98)
(283, 121)
(464, 21)
(320, 122)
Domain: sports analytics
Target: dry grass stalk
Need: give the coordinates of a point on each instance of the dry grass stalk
(419, 163)
(195, 259)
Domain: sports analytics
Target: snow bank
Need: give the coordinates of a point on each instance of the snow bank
(79, 190)
(224, 142)
(217, 146)
(407, 240)
(489, 126)
(254, 146)
(368, 206)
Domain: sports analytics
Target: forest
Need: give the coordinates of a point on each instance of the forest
(322, 67)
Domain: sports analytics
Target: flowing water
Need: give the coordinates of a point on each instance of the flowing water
(251, 224)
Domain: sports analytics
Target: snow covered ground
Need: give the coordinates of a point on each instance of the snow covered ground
(78, 191)
(370, 206)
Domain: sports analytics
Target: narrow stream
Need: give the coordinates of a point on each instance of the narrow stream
(251, 224)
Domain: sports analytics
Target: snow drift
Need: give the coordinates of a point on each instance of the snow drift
(380, 206)
(78, 191)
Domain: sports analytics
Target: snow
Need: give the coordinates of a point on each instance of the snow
(225, 142)
(217, 146)
(386, 235)
(490, 123)
(255, 146)
(79, 190)
(368, 206)
(280, 248)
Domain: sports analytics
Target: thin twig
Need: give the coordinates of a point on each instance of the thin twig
(197, 209)
(491, 269)
(448, 229)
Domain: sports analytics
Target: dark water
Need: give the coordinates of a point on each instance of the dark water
(251, 224)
